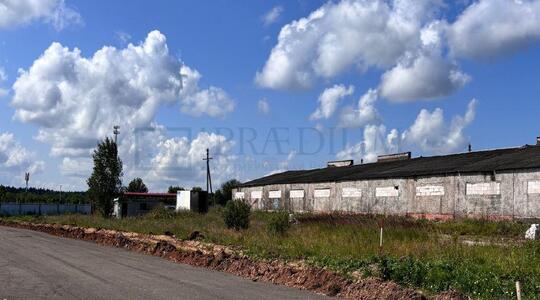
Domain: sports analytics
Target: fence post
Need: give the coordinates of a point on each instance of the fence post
(518, 290)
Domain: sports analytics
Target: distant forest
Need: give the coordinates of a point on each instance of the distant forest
(13, 194)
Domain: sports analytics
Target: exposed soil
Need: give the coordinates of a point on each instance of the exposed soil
(225, 259)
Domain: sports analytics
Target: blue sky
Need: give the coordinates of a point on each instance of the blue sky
(417, 73)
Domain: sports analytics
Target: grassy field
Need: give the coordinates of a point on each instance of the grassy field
(482, 259)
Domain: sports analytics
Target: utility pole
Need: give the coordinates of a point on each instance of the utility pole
(116, 132)
(208, 177)
(60, 193)
(26, 179)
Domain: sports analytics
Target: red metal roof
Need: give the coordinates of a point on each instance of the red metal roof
(150, 194)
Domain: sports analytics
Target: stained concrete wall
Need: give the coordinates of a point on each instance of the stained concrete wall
(13, 208)
(500, 196)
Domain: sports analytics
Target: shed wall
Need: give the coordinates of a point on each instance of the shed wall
(499, 196)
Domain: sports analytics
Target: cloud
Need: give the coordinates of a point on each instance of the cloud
(272, 16)
(76, 100)
(15, 160)
(263, 107)
(339, 36)
(55, 12)
(430, 133)
(422, 77)
(491, 28)
(366, 113)
(179, 160)
(3, 77)
(375, 142)
(162, 161)
(328, 101)
(410, 42)
(195, 101)
(122, 37)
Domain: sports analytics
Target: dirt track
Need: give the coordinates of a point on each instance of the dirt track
(226, 260)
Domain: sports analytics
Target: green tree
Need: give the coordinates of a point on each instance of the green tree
(224, 194)
(137, 186)
(105, 182)
(196, 189)
(175, 189)
(2, 193)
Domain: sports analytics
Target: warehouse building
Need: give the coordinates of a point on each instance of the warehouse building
(495, 184)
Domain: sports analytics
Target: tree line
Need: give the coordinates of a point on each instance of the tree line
(40, 195)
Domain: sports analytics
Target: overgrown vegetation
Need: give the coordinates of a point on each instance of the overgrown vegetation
(480, 258)
(278, 222)
(224, 193)
(236, 214)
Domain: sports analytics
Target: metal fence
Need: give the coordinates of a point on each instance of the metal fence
(15, 209)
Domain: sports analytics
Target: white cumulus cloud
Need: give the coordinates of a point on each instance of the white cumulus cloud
(411, 42)
(341, 35)
(365, 113)
(19, 12)
(179, 160)
(430, 133)
(490, 28)
(76, 100)
(329, 100)
(375, 142)
(15, 159)
(422, 77)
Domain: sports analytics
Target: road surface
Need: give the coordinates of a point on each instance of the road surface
(35, 265)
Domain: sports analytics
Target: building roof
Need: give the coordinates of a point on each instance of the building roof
(526, 157)
(149, 194)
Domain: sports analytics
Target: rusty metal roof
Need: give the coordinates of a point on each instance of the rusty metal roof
(488, 161)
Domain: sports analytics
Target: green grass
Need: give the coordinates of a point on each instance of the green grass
(422, 254)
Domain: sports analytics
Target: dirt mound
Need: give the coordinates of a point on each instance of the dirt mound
(224, 259)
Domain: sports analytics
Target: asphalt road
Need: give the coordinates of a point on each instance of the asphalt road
(34, 265)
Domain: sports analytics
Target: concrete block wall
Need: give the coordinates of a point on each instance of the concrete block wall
(498, 196)
(13, 208)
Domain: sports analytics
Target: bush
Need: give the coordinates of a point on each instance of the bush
(236, 214)
(161, 212)
(279, 222)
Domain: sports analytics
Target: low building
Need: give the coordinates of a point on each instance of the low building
(137, 204)
(496, 184)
